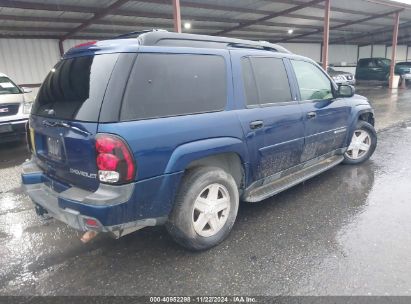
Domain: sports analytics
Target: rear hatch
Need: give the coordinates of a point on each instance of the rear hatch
(64, 119)
(402, 69)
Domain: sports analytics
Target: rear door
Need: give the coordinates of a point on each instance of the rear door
(272, 118)
(325, 117)
(65, 117)
(381, 69)
(363, 70)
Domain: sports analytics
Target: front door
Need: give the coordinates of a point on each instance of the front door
(272, 119)
(325, 117)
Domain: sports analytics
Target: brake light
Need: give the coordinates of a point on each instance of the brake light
(115, 162)
(85, 44)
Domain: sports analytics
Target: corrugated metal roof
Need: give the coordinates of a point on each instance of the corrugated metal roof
(55, 18)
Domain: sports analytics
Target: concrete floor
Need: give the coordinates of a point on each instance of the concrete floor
(345, 232)
(391, 106)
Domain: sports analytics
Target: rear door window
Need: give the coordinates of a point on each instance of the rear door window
(75, 87)
(265, 80)
(162, 85)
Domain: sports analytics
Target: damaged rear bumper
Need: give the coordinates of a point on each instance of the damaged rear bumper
(50, 197)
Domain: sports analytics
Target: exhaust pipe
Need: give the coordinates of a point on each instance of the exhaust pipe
(88, 236)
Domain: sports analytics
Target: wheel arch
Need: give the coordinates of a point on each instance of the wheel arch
(227, 153)
(364, 113)
(367, 117)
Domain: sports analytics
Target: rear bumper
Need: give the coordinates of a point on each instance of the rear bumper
(115, 208)
(406, 76)
(12, 130)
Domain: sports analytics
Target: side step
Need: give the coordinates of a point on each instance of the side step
(283, 183)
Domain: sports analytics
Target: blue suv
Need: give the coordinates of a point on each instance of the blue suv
(164, 128)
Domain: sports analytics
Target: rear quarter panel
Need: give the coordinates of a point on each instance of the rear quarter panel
(167, 145)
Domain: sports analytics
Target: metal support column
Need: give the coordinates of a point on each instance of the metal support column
(61, 48)
(177, 16)
(326, 36)
(394, 47)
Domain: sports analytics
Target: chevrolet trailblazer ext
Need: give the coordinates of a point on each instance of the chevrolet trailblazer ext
(164, 128)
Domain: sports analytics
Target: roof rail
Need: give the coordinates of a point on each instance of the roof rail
(135, 34)
(255, 46)
(162, 37)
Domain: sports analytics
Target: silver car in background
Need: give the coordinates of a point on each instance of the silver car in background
(15, 107)
(341, 77)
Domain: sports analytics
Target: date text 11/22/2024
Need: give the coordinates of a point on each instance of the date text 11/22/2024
(203, 299)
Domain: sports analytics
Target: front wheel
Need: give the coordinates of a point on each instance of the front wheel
(362, 145)
(205, 208)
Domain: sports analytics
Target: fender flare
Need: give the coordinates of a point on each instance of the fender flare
(361, 109)
(185, 154)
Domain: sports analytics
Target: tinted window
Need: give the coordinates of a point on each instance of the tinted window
(312, 82)
(74, 88)
(250, 86)
(7, 86)
(265, 80)
(364, 63)
(163, 85)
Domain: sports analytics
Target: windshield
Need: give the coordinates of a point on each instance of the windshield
(75, 87)
(8, 87)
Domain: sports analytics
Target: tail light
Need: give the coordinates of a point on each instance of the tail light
(115, 162)
(88, 43)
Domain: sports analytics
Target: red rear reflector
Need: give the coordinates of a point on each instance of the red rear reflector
(92, 223)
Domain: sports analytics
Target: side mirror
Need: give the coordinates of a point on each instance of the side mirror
(27, 90)
(346, 91)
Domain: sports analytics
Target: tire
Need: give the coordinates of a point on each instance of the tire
(362, 129)
(184, 224)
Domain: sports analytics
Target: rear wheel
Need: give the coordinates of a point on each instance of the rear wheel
(362, 145)
(205, 208)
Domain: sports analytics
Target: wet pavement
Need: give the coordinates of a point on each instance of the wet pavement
(391, 106)
(344, 232)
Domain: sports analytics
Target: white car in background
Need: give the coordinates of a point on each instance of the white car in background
(15, 107)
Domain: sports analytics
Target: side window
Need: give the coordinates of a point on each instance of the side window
(162, 85)
(265, 80)
(363, 63)
(312, 81)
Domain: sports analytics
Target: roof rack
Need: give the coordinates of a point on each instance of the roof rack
(135, 34)
(269, 47)
(162, 37)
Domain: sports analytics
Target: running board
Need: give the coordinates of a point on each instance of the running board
(262, 192)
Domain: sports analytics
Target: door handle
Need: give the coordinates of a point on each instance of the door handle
(311, 115)
(256, 124)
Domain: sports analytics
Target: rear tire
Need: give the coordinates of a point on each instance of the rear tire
(362, 145)
(205, 208)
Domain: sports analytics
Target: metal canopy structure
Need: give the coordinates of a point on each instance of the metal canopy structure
(359, 22)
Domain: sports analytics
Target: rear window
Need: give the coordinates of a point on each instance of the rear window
(7, 86)
(74, 88)
(162, 85)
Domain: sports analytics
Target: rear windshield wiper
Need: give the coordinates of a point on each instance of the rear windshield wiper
(47, 123)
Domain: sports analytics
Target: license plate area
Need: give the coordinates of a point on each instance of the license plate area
(53, 148)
